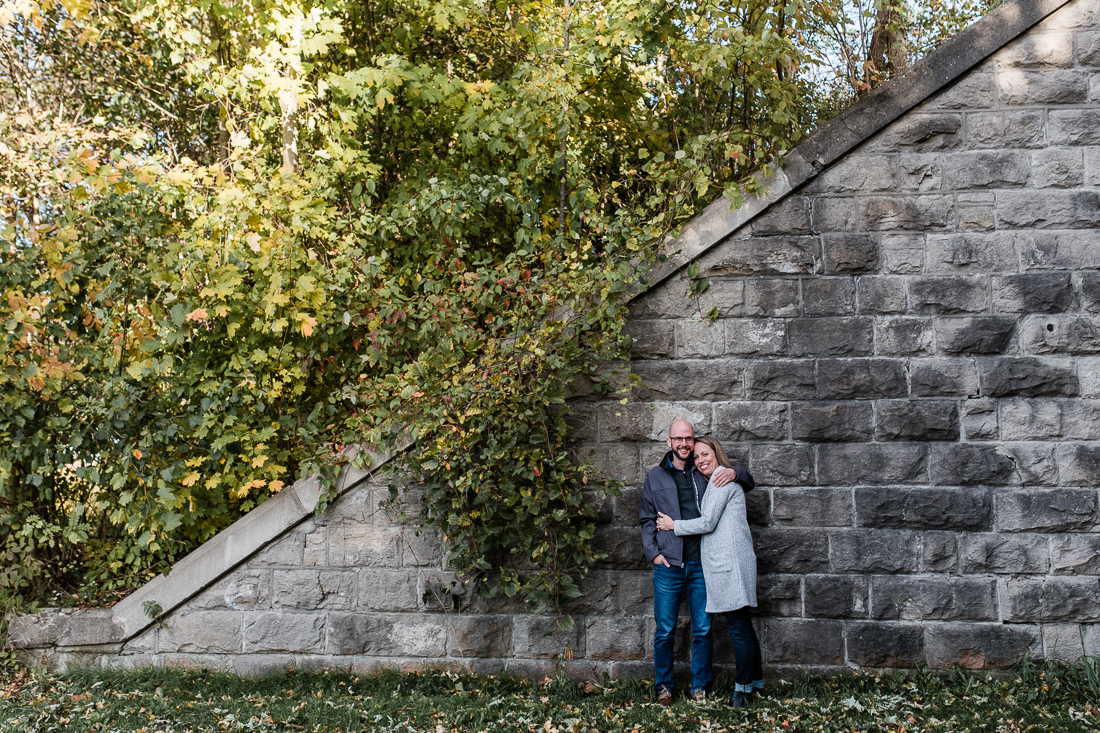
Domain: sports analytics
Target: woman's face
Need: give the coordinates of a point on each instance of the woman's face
(704, 459)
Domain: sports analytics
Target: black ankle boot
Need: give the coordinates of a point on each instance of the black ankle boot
(739, 699)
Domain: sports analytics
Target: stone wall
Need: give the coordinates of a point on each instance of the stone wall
(906, 354)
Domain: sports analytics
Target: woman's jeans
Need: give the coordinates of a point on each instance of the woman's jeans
(746, 649)
(670, 585)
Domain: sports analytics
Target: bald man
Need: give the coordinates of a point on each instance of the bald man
(676, 488)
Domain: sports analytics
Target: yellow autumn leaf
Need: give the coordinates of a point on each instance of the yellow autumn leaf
(199, 314)
(259, 461)
(190, 479)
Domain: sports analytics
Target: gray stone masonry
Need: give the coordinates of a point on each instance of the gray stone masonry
(906, 354)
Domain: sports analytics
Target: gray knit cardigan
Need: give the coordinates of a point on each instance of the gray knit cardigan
(729, 563)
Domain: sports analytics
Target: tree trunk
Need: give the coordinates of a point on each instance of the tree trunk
(888, 54)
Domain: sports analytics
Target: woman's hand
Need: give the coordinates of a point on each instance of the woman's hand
(665, 522)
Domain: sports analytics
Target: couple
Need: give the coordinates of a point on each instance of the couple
(696, 534)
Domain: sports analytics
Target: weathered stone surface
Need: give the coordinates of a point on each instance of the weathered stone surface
(397, 635)
(835, 214)
(479, 636)
(860, 379)
(772, 297)
(1037, 49)
(923, 133)
(859, 173)
(903, 336)
(641, 422)
(979, 420)
(1074, 126)
(1003, 553)
(582, 422)
(245, 590)
(836, 596)
(538, 637)
(314, 589)
(921, 172)
(736, 421)
(1089, 375)
(829, 296)
(623, 546)
(812, 507)
(913, 508)
(916, 420)
(1058, 250)
(651, 339)
(791, 551)
(1033, 293)
(753, 337)
(1057, 168)
(614, 638)
(292, 633)
(1008, 129)
(986, 169)
(939, 553)
(880, 295)
(956, 294)
(782, 255)
(970, 91)
(1061, 334)
(790, 216)
(905, 213)
(967, 464)
(830, 336)
(1090, 290)
(683, 379)
(847, 254)
(939, 599)
(674, 299)
(874, 551)
(1027, 377)
(978, 646)
(1031, 419)
(872, 463)
(886, 645)
(1081, 419)
(1050, 510)
(796, 641)
(1048, 209)
(817, 422)
(1075, 554)
(758, 508)
(287, 551)
(1063, 641)
(783, 465)
(1025, 88)
(618, 460)
(1053, 599)
(781, 380)
(981, 335)
(202, 632)
(902, 254)
(779, 595)
(387, 590)
(700, 338)
(353, 545)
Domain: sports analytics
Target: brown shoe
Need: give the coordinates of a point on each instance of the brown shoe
(664, 697)
(699, 696)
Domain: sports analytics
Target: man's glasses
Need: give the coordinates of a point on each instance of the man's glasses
(683, 440)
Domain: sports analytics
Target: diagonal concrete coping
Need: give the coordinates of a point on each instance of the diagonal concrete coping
(199, 570)
(853, 126)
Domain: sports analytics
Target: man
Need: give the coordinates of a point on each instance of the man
(675, 488)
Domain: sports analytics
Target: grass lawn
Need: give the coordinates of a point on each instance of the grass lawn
(1050, 697)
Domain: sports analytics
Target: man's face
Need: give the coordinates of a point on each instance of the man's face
(681, 439)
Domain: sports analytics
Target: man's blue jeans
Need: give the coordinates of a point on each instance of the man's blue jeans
(670, 585)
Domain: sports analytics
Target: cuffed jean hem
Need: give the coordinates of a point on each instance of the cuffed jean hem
(757, 685)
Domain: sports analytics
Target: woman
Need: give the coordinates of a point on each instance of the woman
(729, 564)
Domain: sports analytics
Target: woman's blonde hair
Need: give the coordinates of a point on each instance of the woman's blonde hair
(719, 452)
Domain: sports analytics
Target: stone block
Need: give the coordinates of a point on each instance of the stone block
(1061, 334)
(943, 377)
(902, 254)
(844, 464)
(974, 90)
(1088, 48)
(781, 380)
(479, 636)
(758, 508)
(858, 173)
(847, 254)
(1052, 599)
(614, 638)
(674, 299)
(789, 216)
(1057, 168)
(619, 461)
(916, 420)
(651, 339)
(540, 637)
(1009, 554)
(783, 255)
(202, 632)
(313, 589)
(756, 337)
(986, 169)
(1046, 510)
(798, 641)
(915, 213)
(1089, 375)
(874, 551)
(1037, 49)
(979, 646)
(921, 172)
(812, 507)
(355, 545)
(836, 596)
(599, 595)
(1090, 292)
(1081, 419)
(779, 595)
(315, 546)
(938, 599)
(244, 590)
(738, 421)
(283, 552)
(975, 335)
(623, 546)
(886, 645)
(1063, 641)
(281, 632)
(968, 464)
(972, 251)
(918, 132)
(1033, 293)
(631, 422)
(818, 422)
(682, 379)
(1048, 209)
(860, 379)
(1075, 554)
(831, 336)
(835, 214)
(1027, 88)
(387, 590)
(1031, 419)
(635, 594)
(1009, 129)
(783, 464)
(880, 295)
(772, 297)
(1074, 126)
(939, 553)
(700, 338)
(957, 294)
(1058, 250)
(1027, 377)
(581, 418)
(791, 551)
(979, 420)
(920, 508)
(1035, 464)
(388, 636)
(903, 336)
(829, 296)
